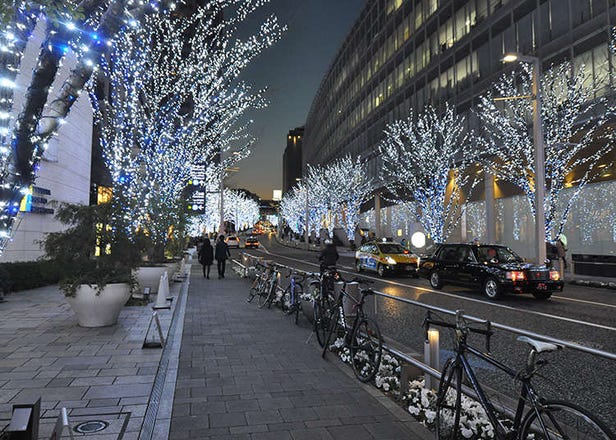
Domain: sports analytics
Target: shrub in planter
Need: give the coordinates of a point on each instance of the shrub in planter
(93, 249)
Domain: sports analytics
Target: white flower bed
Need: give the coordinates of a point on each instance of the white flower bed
(421, 402)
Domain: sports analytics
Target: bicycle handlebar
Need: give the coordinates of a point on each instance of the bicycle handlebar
(461, 326)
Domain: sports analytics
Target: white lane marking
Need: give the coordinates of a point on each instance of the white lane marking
(465, 298)
(585, 301)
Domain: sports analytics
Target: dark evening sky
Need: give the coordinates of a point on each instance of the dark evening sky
(292, 70)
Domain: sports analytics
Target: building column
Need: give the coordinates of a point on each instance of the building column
(377, 215)
(490, 208)
(388, 230)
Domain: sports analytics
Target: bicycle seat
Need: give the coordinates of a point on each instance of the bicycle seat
(539, 346)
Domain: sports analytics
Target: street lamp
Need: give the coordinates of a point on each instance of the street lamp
(539, 151)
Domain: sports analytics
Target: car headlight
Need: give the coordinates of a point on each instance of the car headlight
(390, 260)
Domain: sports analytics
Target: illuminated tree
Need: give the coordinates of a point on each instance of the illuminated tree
(175, 100)
(347, 179)
(420, 156)
(576, 139)
(84, 28)
(293, 208)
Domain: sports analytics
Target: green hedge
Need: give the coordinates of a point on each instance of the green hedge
(29, 275)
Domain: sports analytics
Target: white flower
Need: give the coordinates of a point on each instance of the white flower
(430, 416)
(466, 433)
(414, 410)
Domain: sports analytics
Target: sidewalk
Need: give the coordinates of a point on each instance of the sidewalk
(96, 373)
(246, 373)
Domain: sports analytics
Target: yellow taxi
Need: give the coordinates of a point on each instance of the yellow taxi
(385, 257)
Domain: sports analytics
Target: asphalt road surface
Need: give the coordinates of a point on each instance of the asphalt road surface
(582, 315)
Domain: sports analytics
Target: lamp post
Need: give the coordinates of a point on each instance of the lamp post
(539, 152)
(307, 213)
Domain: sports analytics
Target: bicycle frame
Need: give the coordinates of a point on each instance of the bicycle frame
(527, 393)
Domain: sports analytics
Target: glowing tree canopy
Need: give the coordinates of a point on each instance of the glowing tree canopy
(333, 195)
(347, 179)
(85, 28)
(575, 136)
(175, 100)
(419, 156)
(293, 208)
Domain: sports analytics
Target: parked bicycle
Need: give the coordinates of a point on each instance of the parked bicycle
(323, 290)
(290, 302)
(544, 419)
(362, 336)
(260, 283)
(267, 296)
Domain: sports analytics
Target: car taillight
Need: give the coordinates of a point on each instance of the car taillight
(554, 275)
(516, 275)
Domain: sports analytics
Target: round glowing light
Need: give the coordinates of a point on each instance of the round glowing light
(418, 239)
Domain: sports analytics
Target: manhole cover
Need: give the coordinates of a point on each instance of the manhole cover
(91, 426)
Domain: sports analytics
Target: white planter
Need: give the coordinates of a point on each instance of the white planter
(149, 277)
(100, 310)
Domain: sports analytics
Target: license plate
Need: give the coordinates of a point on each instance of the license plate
(408, 268)
(542, 286)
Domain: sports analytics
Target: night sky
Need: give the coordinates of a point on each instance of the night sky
(292, 70)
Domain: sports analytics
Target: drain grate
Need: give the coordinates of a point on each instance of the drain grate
(91, 426)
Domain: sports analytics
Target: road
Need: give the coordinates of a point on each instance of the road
(582, 315)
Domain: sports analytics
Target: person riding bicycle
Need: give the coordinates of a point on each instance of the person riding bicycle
(328, 256)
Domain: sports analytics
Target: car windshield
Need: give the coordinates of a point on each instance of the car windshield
(500, 254)
(391, 248)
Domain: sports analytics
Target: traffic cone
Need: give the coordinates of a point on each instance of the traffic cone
(163, 292)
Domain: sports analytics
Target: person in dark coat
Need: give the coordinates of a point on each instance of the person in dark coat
(206, 256)
(221, 254)
(329, 255)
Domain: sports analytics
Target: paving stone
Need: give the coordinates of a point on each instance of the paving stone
(226, 420)
(128, 390)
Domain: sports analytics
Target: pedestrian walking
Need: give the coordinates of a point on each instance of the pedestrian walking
(221, 254)
(206, 256)
(561, 250)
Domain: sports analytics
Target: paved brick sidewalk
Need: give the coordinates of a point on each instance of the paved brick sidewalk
(246, 373)
(96, 373)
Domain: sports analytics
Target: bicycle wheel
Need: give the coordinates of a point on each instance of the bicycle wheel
(297, 305)
(254, 291)
(322, 308)
(285, 299)
(563, 420)
(266, 295)
(366, 349)
(448, 402)
(332, 319)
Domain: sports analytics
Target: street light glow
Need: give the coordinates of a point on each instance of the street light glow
(510, 57)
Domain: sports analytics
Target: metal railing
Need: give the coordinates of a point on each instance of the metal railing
(247, 258)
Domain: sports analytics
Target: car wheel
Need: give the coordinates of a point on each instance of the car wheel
(358, 267)
(542, 295)
(380, 270)
(435, 280)
(491, 288)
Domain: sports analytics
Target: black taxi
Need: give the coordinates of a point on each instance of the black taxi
(495, 269)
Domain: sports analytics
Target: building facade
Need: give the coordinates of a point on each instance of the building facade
(292, 158)
(63, 174)
(402, 55)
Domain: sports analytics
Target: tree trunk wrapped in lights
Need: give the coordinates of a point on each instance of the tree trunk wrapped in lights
(421, 157)
(576, 139)
(86, 28)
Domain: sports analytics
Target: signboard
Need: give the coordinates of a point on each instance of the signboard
(196, 185)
